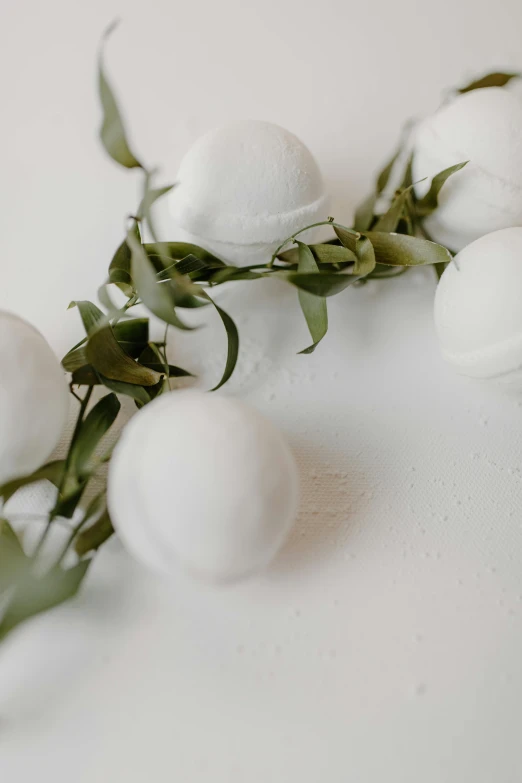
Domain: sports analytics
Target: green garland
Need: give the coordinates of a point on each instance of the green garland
(169, 277)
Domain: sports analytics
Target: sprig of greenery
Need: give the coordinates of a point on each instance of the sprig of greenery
(167, 277)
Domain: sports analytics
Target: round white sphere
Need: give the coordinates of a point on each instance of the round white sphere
(478, 308)
(34, 398)
(484, 127)
(203, 481)
(244, 188)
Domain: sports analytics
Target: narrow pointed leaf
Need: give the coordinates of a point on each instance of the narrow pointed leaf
(93, 537)
(429, 203)
(157, 297)
(96, 424)
(37, 594)
(108, 358)
(490, 80)
(91, 315)
(403, 250)
(134, 391)
(314, 307)
(112, 131)
(361, 246)
(232, 344)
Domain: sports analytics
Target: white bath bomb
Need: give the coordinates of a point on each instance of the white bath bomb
(244, 188)
(478, 308)
(34, 398)
(203, 481)
(485, 127)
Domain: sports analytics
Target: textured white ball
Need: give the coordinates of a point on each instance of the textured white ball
(484, 127)
(205, 481)
(244, 188)
(478, 308)
(34, 398)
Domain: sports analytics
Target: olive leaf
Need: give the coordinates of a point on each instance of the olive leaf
(52, 471)
(110, 360)
(490, 80)
(140, 394)
(13, 560)
(232, 344)
(112, 131)
(429, 203)
(324, 254)
(94, 536)
(361, 245)
(149, 358)
(403, 250)
(314, 307)
(91, 315)
(95, 425)
(390, 219)
(132, 335)
(180, 250)
(320, 284)
(158, 297)
(36, 594)
(364, 213)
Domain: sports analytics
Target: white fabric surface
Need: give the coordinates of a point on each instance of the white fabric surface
(385, 642)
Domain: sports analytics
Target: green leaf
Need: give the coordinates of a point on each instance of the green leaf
(233, 344)
(150, 197)
(364, 213)
(52, 471)
(85, 376)
(314, 307)
(136, 392)
(91, 315)
(361, 246)
(93, 537)
(95, 425)
(490, 80)
(36, 594)
(390, 219)
(321, 284)
(13, 560)
(112, 131)
(109, 359)
(429, 203)
(119, 269)
(75, 359)
(179, 251)
(149, 358)
(157, 297)
(402, 250)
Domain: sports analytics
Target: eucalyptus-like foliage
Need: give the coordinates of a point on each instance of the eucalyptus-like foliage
(168, 277)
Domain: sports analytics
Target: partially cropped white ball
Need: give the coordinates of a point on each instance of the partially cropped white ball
(478, 308)
(483, 126)
(244, 188)
(34, 398)
(202, 481)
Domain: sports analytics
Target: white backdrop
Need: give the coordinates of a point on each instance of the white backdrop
(385, 643)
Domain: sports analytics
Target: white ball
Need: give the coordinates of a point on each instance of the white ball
(244, 188)
(484, 127)
(34, 398)
(203, 481)
(478, 308)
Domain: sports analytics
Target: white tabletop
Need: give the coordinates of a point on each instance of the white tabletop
(385, 642)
